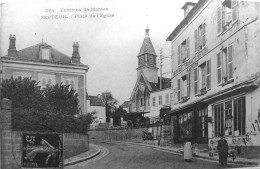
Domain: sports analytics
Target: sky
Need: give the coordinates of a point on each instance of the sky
(109, 46)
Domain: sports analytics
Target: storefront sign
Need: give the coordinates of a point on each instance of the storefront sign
(42, 150)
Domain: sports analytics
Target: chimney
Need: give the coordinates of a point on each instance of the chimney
(187, 7)
(12, 52)
(75, 55)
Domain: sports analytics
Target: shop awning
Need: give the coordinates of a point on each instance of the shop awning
(240, 88)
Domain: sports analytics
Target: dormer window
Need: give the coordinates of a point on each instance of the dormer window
(45, 52)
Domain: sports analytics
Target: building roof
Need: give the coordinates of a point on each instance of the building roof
(186, 20)
(95, 101)
(126, 104)
(166, 83)
(147, 46)
(32, 54)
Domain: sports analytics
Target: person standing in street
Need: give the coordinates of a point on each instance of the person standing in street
(187, 151)
(222, 151)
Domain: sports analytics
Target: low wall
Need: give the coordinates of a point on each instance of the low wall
(75, 144)
(11, 141)
(135, 135)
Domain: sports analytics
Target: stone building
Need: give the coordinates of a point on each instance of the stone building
(47, 65)
(94, 103)
(215, 73)
(148, 81)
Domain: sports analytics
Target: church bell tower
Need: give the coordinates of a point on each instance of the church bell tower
(147, 59)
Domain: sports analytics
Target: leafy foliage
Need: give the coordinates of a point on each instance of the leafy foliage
(110, 103)
(60, 99)
(55, 108)
(119, 112)
(24, 93)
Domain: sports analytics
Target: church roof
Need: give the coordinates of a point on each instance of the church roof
(125, 104)
(166, 83)
(147, 46)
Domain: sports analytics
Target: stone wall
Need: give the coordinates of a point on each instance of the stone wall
(131, 134)
(135, 135)
(11, 141)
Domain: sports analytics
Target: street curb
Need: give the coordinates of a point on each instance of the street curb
(84, 158)
(179, 153)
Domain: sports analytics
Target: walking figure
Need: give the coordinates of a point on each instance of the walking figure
(223, 151)
(187, 154)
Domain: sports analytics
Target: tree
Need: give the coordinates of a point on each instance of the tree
(119, 112)
(24, 93)
(110, 103)
(55, 108)
(62, 98)
(84, 120)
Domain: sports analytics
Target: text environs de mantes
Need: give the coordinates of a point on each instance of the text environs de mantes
(82, 9)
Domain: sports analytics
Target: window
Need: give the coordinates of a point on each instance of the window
(202, 75)
(225, 65)
(183, 87)
(141, 101)
(179, 89)
(219, 20)
(202, 79)
(185, 125)
(239, 116)
(196, 40)
(167, 99)
(151, 59)
(70, 80)
(202, 122)
(160, 100)
(230, 117)
(226, 14)
(202, 36)
(22, 75)
(141, 60)
(154, 101)
(195, 80)
(208, 72)
(184, 51)
(219, 68)
(45, 53)
(46, 80)
(171, 96)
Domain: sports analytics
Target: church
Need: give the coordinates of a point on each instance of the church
(149, 85)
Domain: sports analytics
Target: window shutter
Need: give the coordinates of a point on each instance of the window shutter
(234, 10)
(179, 89)
(230, 62)
(196, 80)
(219, 68)
(199, 37)
(208, 69)
(188, 84)
(179, 54)
(203, 34)
(219, 20)
(196, 40)
(188, 48)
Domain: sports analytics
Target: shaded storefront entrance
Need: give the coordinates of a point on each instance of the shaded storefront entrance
(191, 125)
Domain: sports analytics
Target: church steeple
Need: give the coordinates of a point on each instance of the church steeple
(147, 59)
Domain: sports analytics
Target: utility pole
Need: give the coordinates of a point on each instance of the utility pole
(160, 57)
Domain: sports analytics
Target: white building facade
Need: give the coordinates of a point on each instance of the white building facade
(215, 74)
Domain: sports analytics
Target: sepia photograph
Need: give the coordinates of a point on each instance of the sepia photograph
(112, 84)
